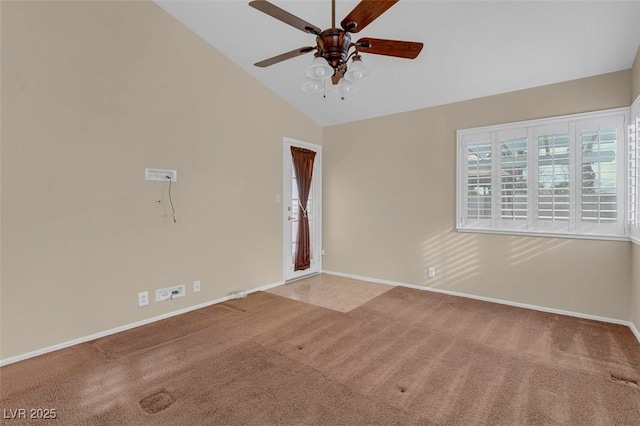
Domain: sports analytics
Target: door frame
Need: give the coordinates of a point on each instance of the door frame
(317, 207)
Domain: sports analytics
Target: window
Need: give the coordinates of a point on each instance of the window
(513, 179)
(633, 183)
(479, 181)
(553, 178)
(559, 176)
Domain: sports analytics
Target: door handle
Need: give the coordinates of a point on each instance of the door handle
(289, 218)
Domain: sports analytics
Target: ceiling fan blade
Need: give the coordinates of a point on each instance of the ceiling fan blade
(399, 49)
(365, 13)
(284, 16)
(284, 56)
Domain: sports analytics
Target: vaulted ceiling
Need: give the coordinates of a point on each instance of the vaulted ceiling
(471, 48)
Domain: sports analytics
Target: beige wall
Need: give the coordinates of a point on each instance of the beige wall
(92, 93)
(389, 208)
(635, 77)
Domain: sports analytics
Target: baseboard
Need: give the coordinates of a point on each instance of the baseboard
(125, 327)
(492, 300)
(265, 287)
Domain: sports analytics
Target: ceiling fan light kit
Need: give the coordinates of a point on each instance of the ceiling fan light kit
(334, 46)
(344, 87)
(319, 69)
(357, 71)
(312, 86)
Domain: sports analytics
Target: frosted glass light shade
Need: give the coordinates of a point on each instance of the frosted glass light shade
(319, 69)
(357, 71)
(344, 87)
(312, 85)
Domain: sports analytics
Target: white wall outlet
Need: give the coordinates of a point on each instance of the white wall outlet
(170, 293)
(161, 175)
(323, 252)
(431, 272)
(143, 298)
(196, 286)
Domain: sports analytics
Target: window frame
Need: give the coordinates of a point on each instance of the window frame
(634, 225)
(575, 227)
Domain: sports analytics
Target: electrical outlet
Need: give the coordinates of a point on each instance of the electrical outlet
(170, 293)
(143, 298)
(431, 272)
(196, 286)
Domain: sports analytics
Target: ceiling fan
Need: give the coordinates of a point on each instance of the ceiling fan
(333, 45)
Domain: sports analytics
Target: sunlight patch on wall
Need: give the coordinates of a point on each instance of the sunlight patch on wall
(455, 256)
(524, 249)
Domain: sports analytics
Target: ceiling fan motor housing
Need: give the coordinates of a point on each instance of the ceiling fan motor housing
(334, 45)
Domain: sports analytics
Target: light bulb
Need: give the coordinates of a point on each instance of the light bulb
(344, 87)
(319, 72)
(312, 85)
(357, 71)
(319, 69)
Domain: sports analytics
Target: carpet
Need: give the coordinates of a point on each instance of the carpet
(407, 357)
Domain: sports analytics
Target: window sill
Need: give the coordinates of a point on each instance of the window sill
(549, 234)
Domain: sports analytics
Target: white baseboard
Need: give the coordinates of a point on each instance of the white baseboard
(125, 327)
(265, 287)
(490, 299)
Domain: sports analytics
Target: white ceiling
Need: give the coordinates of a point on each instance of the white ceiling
(471, 48)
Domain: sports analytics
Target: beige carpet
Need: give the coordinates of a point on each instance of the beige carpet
(405, 357)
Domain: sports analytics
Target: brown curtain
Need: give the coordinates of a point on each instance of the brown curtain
(303, 166)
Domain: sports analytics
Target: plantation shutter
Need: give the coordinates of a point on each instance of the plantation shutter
(553, 176)
(514, 179)
(600, 177)
(478, 182)
(633, 182)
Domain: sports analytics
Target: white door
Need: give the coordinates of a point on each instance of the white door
(314, 209)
